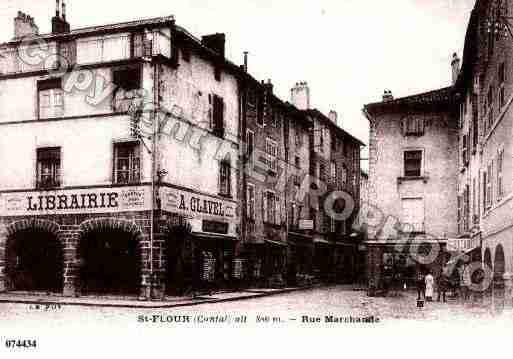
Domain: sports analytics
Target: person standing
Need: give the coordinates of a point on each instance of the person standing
(430, 284)
(443, 285)
(421, 286)
(465, 283)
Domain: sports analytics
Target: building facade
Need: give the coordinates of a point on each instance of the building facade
(484, 90)
(334, 169)
(101, 147)
(412, 185)
(140, 161)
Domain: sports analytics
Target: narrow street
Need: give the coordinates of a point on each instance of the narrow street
(310, 308)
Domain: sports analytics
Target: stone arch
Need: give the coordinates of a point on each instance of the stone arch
(35, 224)
(127, 238)
(15, 242)
(110, 223)
(499, 264)
(487, 262)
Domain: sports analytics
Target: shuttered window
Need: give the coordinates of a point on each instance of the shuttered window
(412, 163)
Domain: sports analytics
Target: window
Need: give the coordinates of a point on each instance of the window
(334, 142)
(298, 137)
(488, 194)
(128, 78)
(260, 110)
(250, 145)
(271, 148)
(475, 124)
(502, 81)
(48, 167)
(322, 172)
(321, 138)
(127, 163)
(474, 201)
(297, 162)
(333, 172)
(51, 98)
(466, 208)
(271, 208)
(251, 98)
(412, 163)
(413, 213)
(465, 151)
(225, 185)
(218, 116)
(460, 215)
(500, 183)
(344, 175)
(413, 126)
(251, 202)
(485, 191)
(489, 102)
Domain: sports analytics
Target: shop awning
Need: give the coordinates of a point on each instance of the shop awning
(321, 241)
(213, 236)
(277, 243)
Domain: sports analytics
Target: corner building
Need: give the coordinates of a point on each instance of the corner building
(101, 194)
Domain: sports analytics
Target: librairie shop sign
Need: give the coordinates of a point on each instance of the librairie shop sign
(195, 205)
(91, 200)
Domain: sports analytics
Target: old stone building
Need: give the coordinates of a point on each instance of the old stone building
(334, 171)
(412, 185)
(104, 133)
(455, 148)
(484, 92)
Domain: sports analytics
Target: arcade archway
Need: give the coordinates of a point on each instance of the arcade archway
(34, 261)
(109, 261)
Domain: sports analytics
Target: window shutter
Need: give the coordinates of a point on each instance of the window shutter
(278, 211)
(210, 110)
(264, 206)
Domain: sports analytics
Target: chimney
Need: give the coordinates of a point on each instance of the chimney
(24, 25)
(269, 86)
(59, 24)
(300, 96)
(215, 42)
(245, 61)
(455, 65)
(387, 96)
(333, 116)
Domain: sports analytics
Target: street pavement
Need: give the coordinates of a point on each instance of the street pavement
(299, 308)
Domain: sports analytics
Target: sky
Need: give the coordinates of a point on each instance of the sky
(349, 51)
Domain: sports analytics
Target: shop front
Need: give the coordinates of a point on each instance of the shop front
(75, 241)
(395, 265)
(300, 259)
(201, 248)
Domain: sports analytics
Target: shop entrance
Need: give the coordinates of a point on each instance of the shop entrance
(34, 262)
(109, 263)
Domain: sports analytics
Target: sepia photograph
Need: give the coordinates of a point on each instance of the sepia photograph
(210, 176)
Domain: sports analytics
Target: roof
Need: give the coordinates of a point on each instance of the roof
(103, 28)
(443, 96)
(318, 114)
